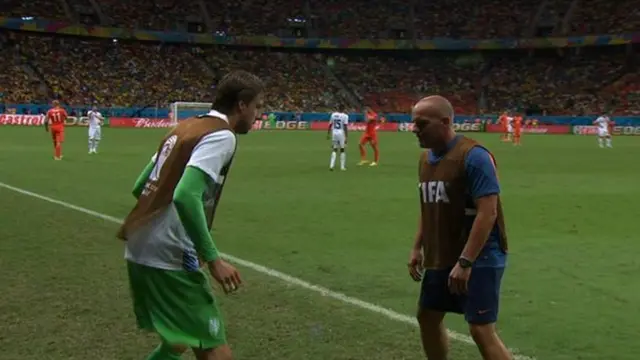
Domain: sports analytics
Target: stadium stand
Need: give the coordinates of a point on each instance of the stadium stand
(125, 73)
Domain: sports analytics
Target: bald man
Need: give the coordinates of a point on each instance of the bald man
(460, 250)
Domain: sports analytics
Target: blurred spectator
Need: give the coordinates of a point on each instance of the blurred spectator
(601, 17)
(43, 9)
(569, 84)
(357, 19)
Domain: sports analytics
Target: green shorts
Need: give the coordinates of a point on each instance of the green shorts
(177, 305)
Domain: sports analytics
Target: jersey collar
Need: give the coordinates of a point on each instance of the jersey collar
(218, 114)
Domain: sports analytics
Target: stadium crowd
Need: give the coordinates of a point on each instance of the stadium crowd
(104, 71)
(362, 19)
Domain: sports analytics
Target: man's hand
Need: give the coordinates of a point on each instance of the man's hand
(226, 275)
(415, 264)
(458, 279)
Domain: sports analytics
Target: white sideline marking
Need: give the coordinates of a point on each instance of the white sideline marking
(390, 314)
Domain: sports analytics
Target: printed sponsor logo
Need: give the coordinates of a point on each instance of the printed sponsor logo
(140, 123)
(76, 121)
(152, 123)
(529, 129)
(585, 130)
(288, 125)
(359, 126)
(460, 127)
(281, 125)
(21, 120)
(626, 130)
(467, 127)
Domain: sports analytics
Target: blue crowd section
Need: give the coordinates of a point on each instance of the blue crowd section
(290, 116)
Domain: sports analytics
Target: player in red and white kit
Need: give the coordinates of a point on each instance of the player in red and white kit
(370, 136)
(55, 120)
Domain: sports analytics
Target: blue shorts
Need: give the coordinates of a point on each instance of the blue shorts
(480, 304)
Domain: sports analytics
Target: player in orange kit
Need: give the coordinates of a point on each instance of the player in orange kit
(55, 120)
(503, 120)
(517, 129)
(370, 136)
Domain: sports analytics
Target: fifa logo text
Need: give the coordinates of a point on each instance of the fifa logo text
(434, 192)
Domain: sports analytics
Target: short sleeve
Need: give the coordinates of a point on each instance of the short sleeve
(481, 173)
(346, 119)
(213, 152)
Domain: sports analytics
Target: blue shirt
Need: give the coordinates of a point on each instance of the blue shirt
(482, 180)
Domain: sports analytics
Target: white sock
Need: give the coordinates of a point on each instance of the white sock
(343, 160)
(333, 160)
(600, 141)
(90, 144)
(609, 142)
(95, 145)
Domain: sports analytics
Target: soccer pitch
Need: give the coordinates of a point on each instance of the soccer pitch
(570, 292)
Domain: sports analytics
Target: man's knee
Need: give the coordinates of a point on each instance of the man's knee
(430, 319)
(483, 334)
(219, 353)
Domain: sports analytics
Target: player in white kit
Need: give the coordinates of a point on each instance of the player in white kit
(602, 122)
(338, 133)
(509, 128)
(95, 129)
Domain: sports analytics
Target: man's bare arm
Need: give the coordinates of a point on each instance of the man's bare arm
(487, 213)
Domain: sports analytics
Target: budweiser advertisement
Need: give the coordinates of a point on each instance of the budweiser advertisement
(140, 123)
(584, 130)
(539, 129)
(359, 126)
(459, 127)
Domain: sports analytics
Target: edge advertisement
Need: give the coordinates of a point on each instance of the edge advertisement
(616, 130)
(458, 127)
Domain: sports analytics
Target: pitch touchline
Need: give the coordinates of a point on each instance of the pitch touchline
(390, 314)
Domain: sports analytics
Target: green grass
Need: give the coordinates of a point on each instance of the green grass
(571, 290)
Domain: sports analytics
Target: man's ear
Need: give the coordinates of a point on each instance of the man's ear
(241, 106)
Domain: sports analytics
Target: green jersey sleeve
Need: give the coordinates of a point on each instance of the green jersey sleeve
(142, 179)
(187, 199)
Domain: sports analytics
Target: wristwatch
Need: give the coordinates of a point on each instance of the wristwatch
(464, 263)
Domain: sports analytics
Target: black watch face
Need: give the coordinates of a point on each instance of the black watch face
(464, 263)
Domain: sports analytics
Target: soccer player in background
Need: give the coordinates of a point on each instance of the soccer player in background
(271, 118)
(602, 122)
(502, 120)
(509, 128)
(339, 134)
(95, 129)
(370, 136)
(461, 242)
(55, 120)
(517, 130)
(167, 234)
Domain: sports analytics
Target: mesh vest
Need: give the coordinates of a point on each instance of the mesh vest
(173, 155)
(446, 207)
